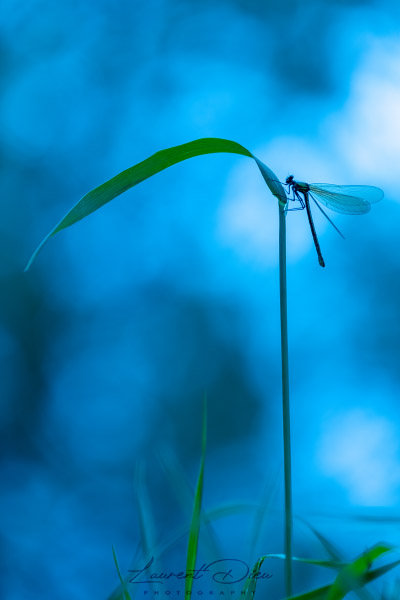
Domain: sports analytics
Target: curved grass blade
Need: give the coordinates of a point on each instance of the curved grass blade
(196, 517)
(249, 588)
(185, 495)
(354, 575)
(147, 536)
(335, 554)
(231, 509)
(262, 510)
(363, 518)
(329, 564)
(317, 594)
(162, 548)
(371, 575)
(324, 593)
(145, 514)
(159, 161)
(123, 584)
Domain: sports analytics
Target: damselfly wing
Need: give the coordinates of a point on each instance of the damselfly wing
(347, 199)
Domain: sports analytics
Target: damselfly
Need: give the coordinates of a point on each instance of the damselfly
(347, 199)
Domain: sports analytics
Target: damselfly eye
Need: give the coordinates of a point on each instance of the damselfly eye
(289, 179)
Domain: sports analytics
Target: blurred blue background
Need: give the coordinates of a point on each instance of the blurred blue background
(109, 342)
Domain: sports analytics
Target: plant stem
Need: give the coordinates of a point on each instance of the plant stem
(285, 402)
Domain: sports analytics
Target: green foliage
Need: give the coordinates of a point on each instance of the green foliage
(352, 576)
(250, 586)
(145, 516)
(159, 161)
(356, 574)
(126, 595)
(196, 517)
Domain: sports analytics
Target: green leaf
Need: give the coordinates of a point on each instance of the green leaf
(151, 166)
(230, 509)
(185, 494)
(196, 517)
(249, 588)
(334, 553)
(371, 575)
(145, 515)
(353, 576)
(323, 593)
(161, 549)
(123, 584)
(263, 510)
(318, 594)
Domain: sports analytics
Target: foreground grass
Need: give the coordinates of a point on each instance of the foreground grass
(350, 576)
(353, 575)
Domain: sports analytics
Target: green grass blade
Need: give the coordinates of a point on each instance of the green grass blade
(355, 575)
(249, 588)
(371, 575)
(161, 549)
(335, 554)
(352, 576)
(185, 495)
(145, 514)
(231, 509)
(206, 517)
(363, 517)
(325, 593)
(159, 161)
(263, 510)
(196, 517)
(329, 564)
(177, 480)
(123, 584)
(317, 594)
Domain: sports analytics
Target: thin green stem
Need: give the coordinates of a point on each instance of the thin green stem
(285, 402)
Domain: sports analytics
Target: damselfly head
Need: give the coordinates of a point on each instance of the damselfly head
(289, 179)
